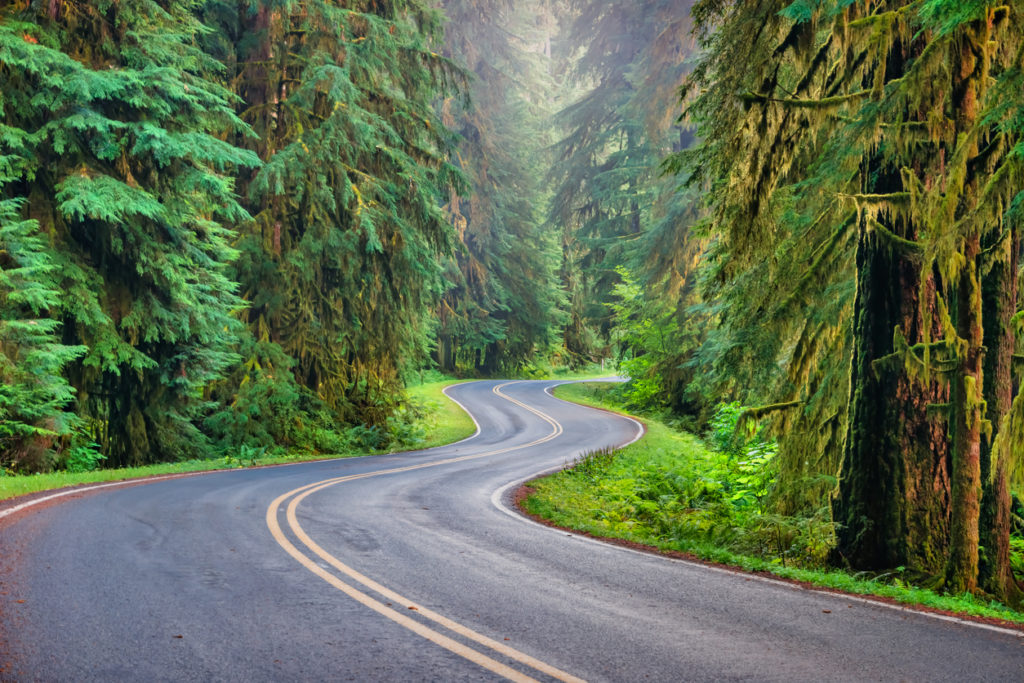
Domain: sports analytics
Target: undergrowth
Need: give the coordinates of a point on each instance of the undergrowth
(712, 498)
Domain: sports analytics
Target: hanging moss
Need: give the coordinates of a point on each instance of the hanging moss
(903, 111)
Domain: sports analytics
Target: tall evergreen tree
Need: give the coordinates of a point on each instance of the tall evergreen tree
(111, 109)
(873, 136)
(341, 265)
(616, 135)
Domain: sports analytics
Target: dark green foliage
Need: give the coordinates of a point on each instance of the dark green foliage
(111, 113)
(341, 264)
(260, 402)
(34, 396)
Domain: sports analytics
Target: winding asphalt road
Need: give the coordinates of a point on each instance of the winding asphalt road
(413, 567)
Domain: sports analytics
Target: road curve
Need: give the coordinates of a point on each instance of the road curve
(411, 567)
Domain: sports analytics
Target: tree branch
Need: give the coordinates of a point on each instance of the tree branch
(751, 97)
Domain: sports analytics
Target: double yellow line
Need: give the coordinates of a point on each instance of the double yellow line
(312, 549)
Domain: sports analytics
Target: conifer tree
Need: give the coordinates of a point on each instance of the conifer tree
(111, 107)
(617, 132)
(34, 395)
(875, 135)
(341, 264)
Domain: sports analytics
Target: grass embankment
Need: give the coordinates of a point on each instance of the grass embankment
(635, 495)
(443, 423)
(591, 373)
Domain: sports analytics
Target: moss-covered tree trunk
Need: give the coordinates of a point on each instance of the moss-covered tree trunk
(999, 301)
(892, 508)
(966, 419)
(970, 413)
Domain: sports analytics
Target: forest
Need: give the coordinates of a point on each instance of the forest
(254, 223)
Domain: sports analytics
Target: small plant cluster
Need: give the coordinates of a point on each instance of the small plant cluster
(1017, 538)
(673, 488)
(406, 427)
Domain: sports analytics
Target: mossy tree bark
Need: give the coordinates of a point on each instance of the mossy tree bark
(893, 503)
(966, 419)
(983, 389)
(999, 300)
(912, 110)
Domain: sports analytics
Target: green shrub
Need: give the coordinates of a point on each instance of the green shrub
(671, 488)
(260, 403)
(82, 456)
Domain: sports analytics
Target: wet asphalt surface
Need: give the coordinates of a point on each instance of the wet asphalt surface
(182, 580)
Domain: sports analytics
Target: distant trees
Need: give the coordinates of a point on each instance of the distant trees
(626, 59)
(502, 304)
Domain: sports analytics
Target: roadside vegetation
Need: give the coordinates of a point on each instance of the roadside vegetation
(430, 419)
(427, 420)
(712, 498)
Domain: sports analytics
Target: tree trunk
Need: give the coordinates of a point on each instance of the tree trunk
(893, 503)
(970, 82)
(445, 357)
(491, 358)
(966, 417)
(999, 303)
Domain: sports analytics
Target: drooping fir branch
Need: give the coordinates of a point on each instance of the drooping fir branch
(825, 103)
(133, 187)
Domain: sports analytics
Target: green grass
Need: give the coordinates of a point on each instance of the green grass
(594, 394)
(447, 422)
(599, 498)
(592, 372)
(444, 423)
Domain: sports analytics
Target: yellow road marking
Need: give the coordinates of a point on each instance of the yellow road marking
(403, 619)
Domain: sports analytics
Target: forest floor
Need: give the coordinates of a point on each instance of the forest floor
(609, 496)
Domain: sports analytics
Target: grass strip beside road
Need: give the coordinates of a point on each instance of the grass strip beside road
(592, 502)
(446, 423)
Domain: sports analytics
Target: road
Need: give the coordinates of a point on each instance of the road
(412, 567)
